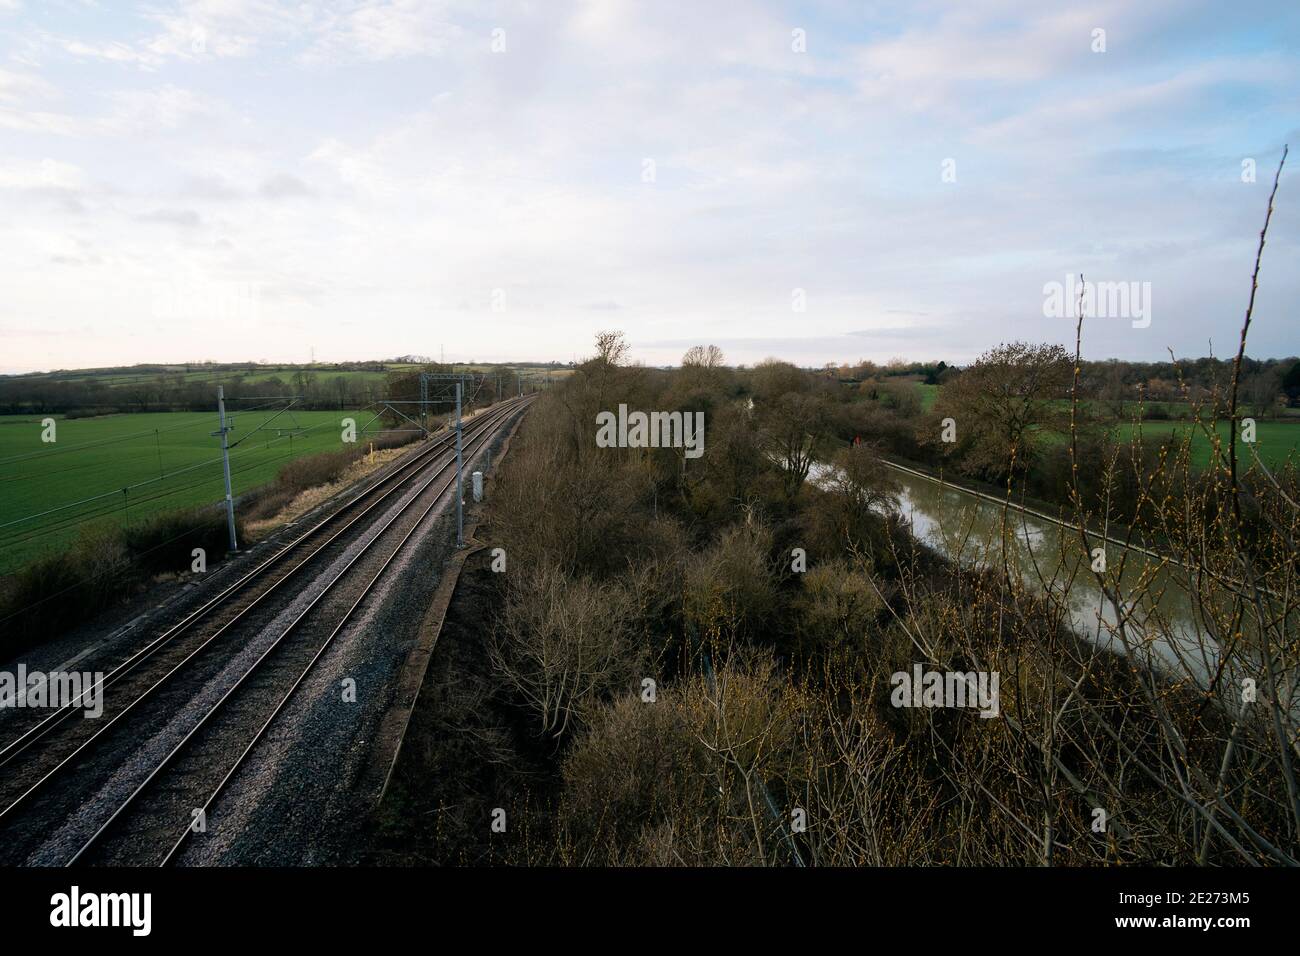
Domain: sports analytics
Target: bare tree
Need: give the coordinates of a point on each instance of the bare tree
(563, 645)
(611, 347)
(1114, 391)
(1002, 402)
(792, 426)
(703, 356)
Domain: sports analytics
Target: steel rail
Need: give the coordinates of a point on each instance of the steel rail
(479, 426)
(405, 469)
(479, 439)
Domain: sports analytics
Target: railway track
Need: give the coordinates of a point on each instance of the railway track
(225, 608)
(350, 549)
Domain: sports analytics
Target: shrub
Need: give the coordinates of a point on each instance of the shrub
(564, 645)
(685, 780)
(166, 542)
(730, 587)
(837, 608)
(59, 591)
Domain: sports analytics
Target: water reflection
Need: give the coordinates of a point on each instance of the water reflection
(1049, 556)
(1161, 618)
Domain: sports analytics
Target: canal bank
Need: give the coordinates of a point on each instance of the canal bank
(1156, 607)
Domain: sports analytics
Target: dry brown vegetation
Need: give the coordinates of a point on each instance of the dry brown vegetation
(701, 699)
(771, 702)
(769, 737)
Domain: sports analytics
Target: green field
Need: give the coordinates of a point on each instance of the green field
(1274, 441)
(165, 460)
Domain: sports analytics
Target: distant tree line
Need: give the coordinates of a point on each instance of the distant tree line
(189, 388)
(193, 387)
(1266, 385)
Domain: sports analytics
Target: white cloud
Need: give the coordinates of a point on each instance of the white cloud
(330, 31)
(113, 52)
(45, 174)
(38, 121)
(20, 86)
(166, 107)
(1172, 100)
(125, 112)
(383, 31)
(376, 172)
(198, 29)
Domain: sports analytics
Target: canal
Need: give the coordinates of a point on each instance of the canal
(1156, 593)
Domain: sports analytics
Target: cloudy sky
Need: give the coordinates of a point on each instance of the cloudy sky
(247, 179)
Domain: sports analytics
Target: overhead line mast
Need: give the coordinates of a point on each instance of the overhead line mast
(224, 431)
